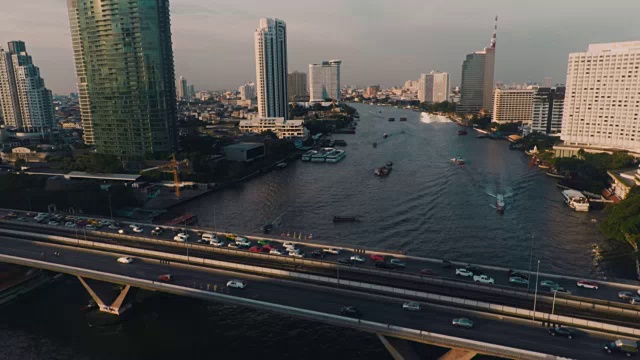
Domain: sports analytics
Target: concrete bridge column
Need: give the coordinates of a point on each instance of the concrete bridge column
(458, 354)
(399, 349)
(116, 307)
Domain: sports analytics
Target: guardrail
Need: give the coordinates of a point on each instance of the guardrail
(561, 299)
(363, 325)
(424, 296)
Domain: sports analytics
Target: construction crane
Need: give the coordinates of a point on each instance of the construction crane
(174, 165)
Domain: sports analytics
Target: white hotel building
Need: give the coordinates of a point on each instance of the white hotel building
(271, 68)
(324, 81)
(284, 129)
(602, 101)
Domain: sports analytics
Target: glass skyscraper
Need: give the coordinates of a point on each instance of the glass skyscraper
(126, 80)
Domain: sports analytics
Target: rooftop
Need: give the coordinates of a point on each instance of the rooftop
(243, 146)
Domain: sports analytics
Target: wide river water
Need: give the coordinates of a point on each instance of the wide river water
(428, 206)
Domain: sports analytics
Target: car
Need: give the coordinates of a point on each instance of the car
(384, 265)
(446, 264)
(634, 300)
(350, 311)
(549, 284)
(344, 261)
(298, 254)
(12, 214)
(216, 243)
(560, 289)
(357, 259)
(265, 250)
(317, 254)
(157, 231)
(625, 295)
(121, 231)
(464, 272)
(233, 245)
(255, 249)
(236, 284)
(244, 245)
(22, 218)
(165, 277)
(517, 280)
(137, 230)
(397, 263)
(428, 272)
(268, 247)
(377, 257)
(513, 273)
(70, 224)
(113, 227)
(288, 245)
(91, 227)
(133, 226)
(125, 260)
(182, 237)
(207, 237)
(243, 242)
(240, 239)
(411, 306)
(53, 222)
(264, 242)
(625, 346)
(483, 279)
(334, 251)
(275, 252)
(462, 322)
(562, 331)
(587, 284)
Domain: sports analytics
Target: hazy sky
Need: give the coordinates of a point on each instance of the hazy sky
(379, 41)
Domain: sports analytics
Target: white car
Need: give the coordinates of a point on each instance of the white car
(70, 224)
(113, 227)
(483, 279)
(275, 252)
(53, 222)
(137, 230)
(240, 239)
(208, 237)
(464, 272)
(180, 237)
(90, 227)
(125, 260)
(297, 254)
(133, 226)
(411, 306)
(288, 245)
(121, 231)
(238, 284)
(216, 243)
(233, 245)
(357, 258)
(332, 251)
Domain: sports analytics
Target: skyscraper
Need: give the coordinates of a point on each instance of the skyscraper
(548, 104)
(476, 90)
(25, 102)
(602, 102)
(271, 68)
(124, 64)
(297, 86)
(182, 89)
(433, 87)
(247, 91)
(324, 81)
(513, 105)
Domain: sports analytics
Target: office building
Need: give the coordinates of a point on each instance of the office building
(476, 89)
(192, 91)
(25, 103)
(247, 91)
(284, 129)
(297, 86)
(548, 104)
(433, 87)
(411, 85)
(513, 105)
(182, 89)
(547, 82)
(126, 80)
(372, 91)
(324, 81)
(602, 102)
(271, 68)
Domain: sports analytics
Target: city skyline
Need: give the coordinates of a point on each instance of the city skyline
(523, 32)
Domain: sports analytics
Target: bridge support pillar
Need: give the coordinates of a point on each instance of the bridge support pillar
(458, 354)
(398, 348)
(116, 306)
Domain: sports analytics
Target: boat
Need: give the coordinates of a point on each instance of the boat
(321, 156)
(307, 156)
(458, 160)
(382, 171)
(281, 165)
(500, 204)
(392, 119)
(345, 219)
(385, 135)
(576, 200)
(555, 174)
(544, 166)
(533, 152)
(356, 115)
(389, 164)
(336, 156)
(380, 111)
(403, 119)
(462, 132)
(375, 144)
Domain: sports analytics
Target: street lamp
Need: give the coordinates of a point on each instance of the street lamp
(535, 297)
(110, 209)
(530, 261)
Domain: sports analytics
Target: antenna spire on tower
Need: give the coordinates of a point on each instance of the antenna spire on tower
(495, 31)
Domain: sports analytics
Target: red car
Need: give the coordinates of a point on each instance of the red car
(255, 249)
(267, 248)
(377, 257)
(587, 284)
(165, 277)
(428, 272)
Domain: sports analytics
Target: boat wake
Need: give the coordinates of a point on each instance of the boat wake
(428, 118)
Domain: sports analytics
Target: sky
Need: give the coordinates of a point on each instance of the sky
(379, 41)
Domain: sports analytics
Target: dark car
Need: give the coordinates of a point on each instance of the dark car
(519, 274)
(562, 331)
(446, 264)
(157, 231)
(474, 269)
(428, 272)
(350, 311)
(317, 254)
(344, 261)
(384, 265)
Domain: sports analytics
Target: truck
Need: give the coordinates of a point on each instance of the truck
(627, 347)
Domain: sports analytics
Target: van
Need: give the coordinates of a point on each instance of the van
(627, 347)
(208, 237)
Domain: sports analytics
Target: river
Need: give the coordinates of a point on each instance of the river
(428, 206)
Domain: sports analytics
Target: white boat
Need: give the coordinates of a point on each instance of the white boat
(576, 200)
(307, 156)
(500, 204)
(336, 156)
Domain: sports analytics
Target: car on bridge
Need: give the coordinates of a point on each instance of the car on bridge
(483, 279)
(334, 251)
(165, 278)
(625, 295)
(377, 257)
(182, 237)
(275, 252)
(356, 259)
(157, 231)
(397, 263)
(549, 284)
(53, 222)
(344, 260)
(516, 280)
(625, 346)
(411, 306)
(125, 260)
(462, 322)
(208, 237)
(560, 289)
(350, 311)
(242, 242)
(562, 331)
(255, 249)
(233, 245)
(587, 284)
(514, 273)
(384, 265)
(634, 300)
(137, 230)
(70, 224)
(264, 242)
(317, 254)
(428, 272)
(236, 284)
(464, 272)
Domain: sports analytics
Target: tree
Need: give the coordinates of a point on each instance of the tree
(622, 222)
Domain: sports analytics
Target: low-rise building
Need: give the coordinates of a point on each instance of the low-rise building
(284, 129)
(244, 152)
(622, 181)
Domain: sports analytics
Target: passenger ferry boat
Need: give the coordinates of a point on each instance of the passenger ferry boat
(307, 156)
(403, 119)
(336, 156)
(392, 119)
(576, 200)
(500, 204)
(457, 160)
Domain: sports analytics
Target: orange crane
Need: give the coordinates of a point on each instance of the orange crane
(174, 165)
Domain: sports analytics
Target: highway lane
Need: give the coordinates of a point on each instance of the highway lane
(489, 328)
(607, 291)
(480, 295)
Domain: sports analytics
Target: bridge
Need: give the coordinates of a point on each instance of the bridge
(316, 289)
